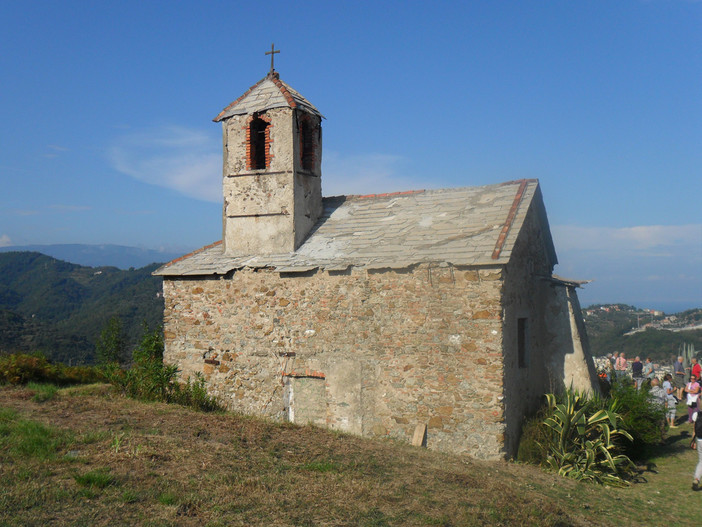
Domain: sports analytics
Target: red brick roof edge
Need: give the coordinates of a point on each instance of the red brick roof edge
(215, 244)
(276, 80)
(288, 97)
(510, 216)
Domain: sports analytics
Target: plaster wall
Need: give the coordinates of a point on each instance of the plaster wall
(557, 352)
(526, 295)
(282, 146)
(372, 353)
(269, 210)
(572, 357)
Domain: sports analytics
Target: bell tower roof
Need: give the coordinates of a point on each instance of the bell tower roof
(269, 92)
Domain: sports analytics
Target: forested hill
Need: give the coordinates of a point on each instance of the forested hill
(60, 308)
(619, 327)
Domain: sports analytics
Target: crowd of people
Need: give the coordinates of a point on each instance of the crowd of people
(683, 385)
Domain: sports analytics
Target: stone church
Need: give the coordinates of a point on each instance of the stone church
(379, 315)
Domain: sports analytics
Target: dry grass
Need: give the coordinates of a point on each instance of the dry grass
(122, 462)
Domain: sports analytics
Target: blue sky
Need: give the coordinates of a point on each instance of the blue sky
(107, 108)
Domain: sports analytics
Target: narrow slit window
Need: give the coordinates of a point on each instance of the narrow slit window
(523, 342)
(257, 151)
(307, 145)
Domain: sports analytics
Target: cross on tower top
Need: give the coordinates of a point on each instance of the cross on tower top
(272, 53)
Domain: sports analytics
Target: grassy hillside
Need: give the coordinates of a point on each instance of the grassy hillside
(89, 457)
(60, 308)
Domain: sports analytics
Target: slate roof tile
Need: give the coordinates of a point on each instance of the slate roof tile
(270, 92)
(462, 226)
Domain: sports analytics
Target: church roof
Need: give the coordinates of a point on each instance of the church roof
(463, 227)
(269, 92)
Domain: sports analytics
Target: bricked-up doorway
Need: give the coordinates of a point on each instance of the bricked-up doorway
(305, 400)
(257, 145)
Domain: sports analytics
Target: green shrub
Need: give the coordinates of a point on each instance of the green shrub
(533, 444)
(150, 379)
(584, 441)
(22, 368)
(641, 417)
(194, 395)
(111, 345)
(71, 375)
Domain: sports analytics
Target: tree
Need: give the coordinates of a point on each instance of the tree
(111, 344)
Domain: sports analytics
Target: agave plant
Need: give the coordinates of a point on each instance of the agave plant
(583, 440)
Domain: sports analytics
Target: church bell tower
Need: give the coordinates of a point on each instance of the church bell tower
(272, 169)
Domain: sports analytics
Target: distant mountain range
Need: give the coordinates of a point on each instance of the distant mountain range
(119, 256)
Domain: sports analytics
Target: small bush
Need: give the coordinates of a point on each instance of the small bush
(578, 439)
(111, 346)
(71, 375)
(194, 395)
(641, 417)
(22, 368)
(533, 447)
(150, 379)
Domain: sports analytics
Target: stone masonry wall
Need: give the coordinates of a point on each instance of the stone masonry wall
(557, 351)
(526, 296)
(372, 353)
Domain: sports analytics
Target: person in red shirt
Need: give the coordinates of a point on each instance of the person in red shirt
(696, 367)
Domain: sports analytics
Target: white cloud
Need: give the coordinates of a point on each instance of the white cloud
(71, 208)
(55, 151)
(366, 174)
(647, 264)
(5, 241)
(58, 148)
(645, 238)
(25, 212)
(188, 161)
